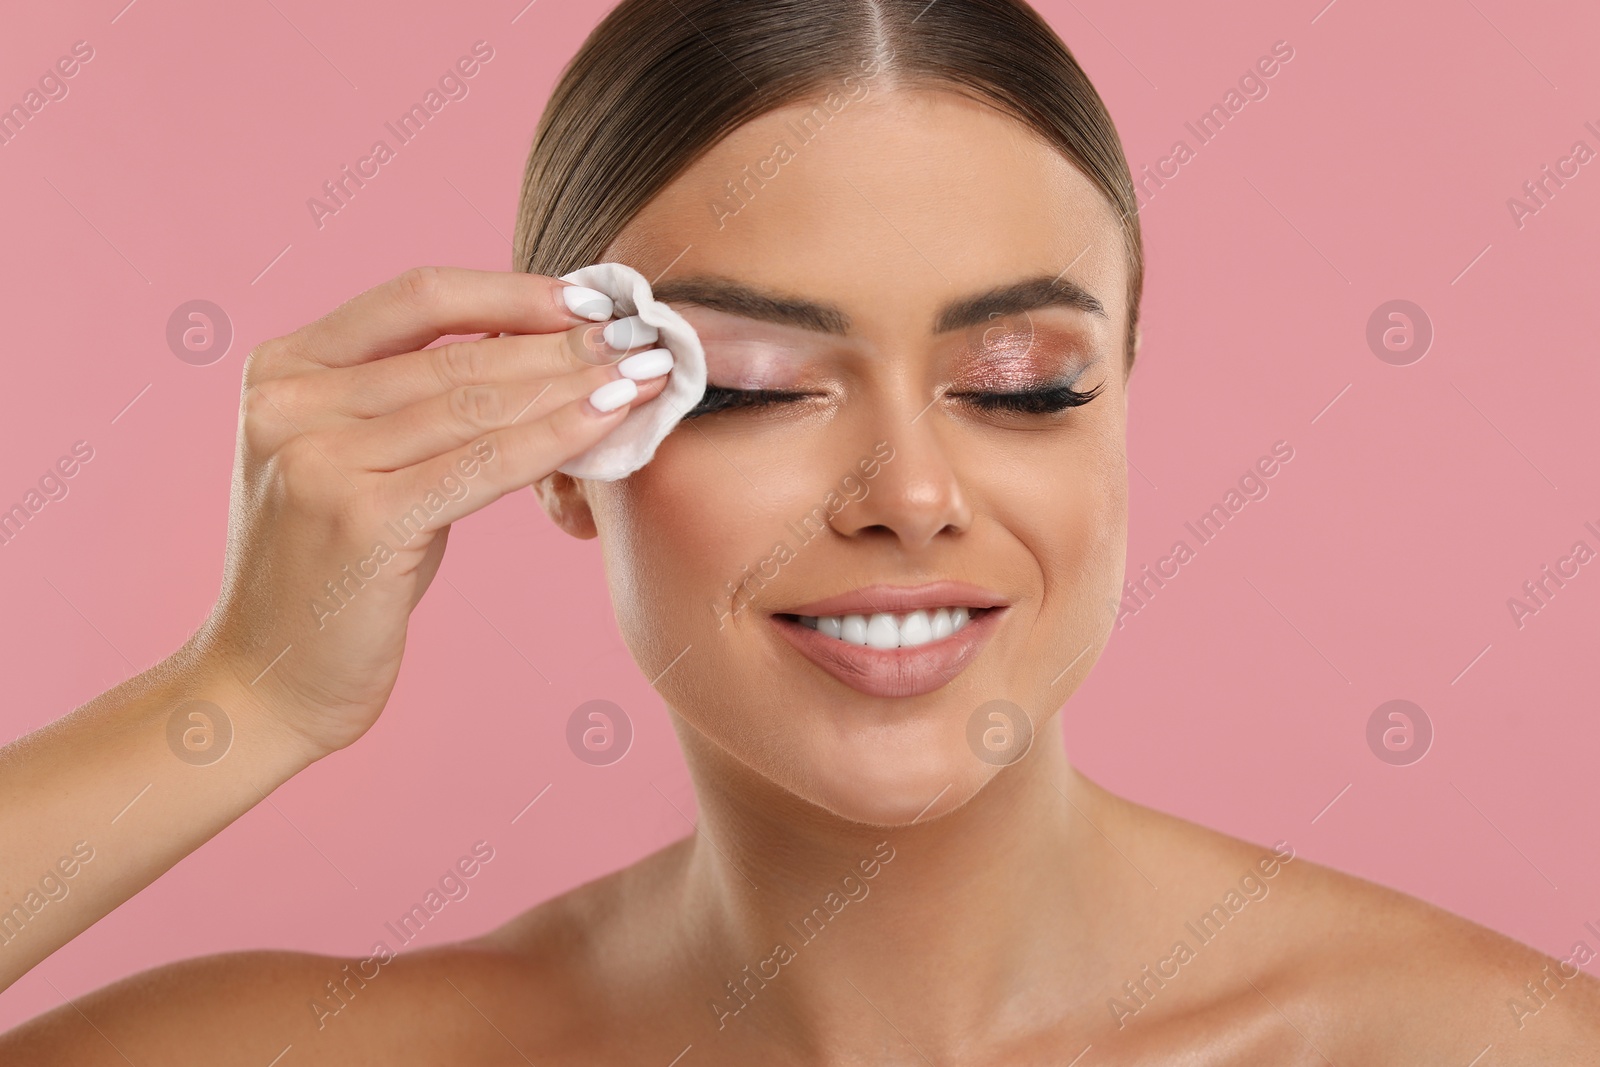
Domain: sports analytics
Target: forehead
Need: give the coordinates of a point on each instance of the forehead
(889, 205)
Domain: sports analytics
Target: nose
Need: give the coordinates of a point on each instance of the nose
(918, 492)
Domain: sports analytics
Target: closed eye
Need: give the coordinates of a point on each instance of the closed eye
(1040, 401)
(717, 398)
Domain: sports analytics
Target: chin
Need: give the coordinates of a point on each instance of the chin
(894, 777)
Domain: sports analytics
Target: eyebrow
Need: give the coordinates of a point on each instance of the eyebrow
(736, 298)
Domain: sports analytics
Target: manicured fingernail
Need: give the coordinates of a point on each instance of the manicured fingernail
(614, 394)
(590, 304)
(642, 365)
(630, 332)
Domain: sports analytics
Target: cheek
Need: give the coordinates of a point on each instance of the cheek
(1093, 521)
(1097, 554)
(1075, 525)
(674, 535)
(1073, 531)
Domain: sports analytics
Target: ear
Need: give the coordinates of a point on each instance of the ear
(564, 500)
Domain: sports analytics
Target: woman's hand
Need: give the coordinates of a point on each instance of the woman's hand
(358, 446)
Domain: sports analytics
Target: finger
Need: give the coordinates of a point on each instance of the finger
(387, 385)
(446, 421)
(444, 489)
(416, 308)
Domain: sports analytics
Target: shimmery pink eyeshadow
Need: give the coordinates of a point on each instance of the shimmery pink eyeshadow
(749, 364)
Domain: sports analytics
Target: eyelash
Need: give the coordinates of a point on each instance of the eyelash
(1043, 400)
(719, 399)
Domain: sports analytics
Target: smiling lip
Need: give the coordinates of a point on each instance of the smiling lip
(896, 672)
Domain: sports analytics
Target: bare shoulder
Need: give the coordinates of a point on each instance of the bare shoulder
(260, 1007)
(1431, 979)
(605, 951)
(509, 995)
(222, 1008)
(1360, 972)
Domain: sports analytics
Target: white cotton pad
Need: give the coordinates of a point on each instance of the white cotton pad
(632, 444)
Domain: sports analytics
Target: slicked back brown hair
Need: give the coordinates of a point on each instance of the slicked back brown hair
(659, 82)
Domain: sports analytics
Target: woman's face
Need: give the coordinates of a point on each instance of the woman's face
(882, 270)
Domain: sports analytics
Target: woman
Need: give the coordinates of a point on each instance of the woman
(864, 575)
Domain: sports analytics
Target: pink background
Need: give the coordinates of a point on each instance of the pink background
(1379, 566)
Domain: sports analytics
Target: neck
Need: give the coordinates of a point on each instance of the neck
(806, 925)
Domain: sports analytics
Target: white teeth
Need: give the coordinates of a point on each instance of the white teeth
(882, 632)
(890, 631)
(916, 629)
